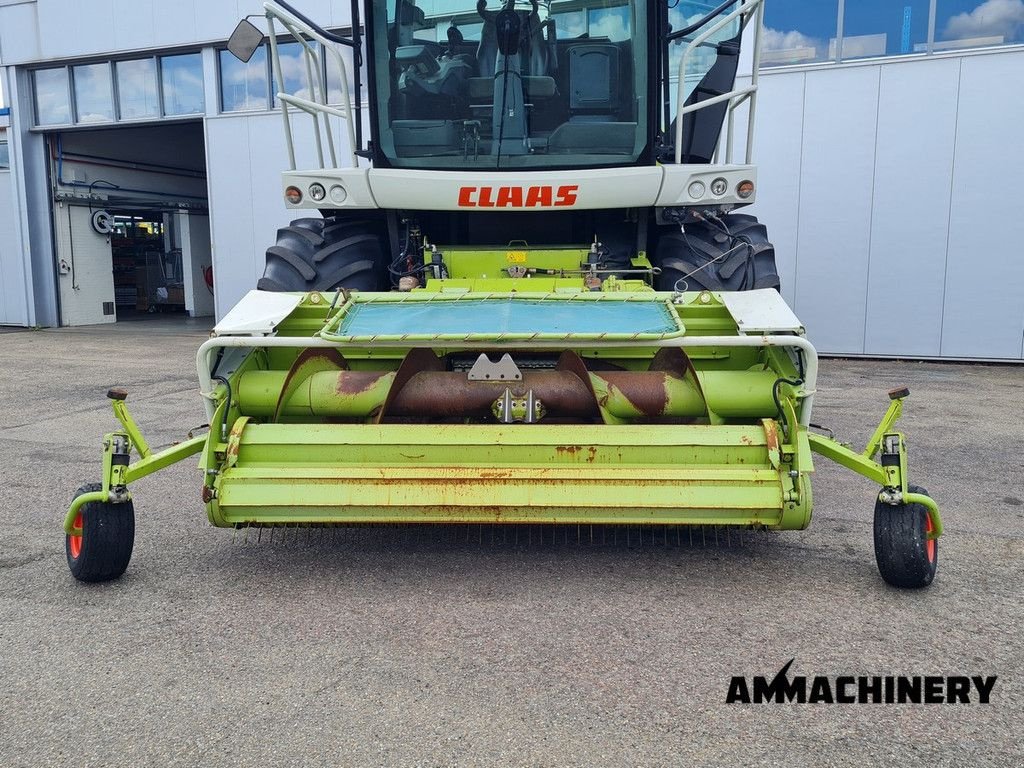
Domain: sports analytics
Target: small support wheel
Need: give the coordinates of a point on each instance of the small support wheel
(906, 557)
(103, 550)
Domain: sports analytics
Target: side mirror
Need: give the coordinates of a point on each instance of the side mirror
(244, 40)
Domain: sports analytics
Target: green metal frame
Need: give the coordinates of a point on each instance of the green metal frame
(331, 330)
(116, 477)
(306, 450)
(891, 475)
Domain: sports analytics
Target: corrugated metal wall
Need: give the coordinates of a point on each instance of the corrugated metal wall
(889, 189)
(13, 286)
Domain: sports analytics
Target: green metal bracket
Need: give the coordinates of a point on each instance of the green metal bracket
(117, 472)
(891, 472)
(892, 415)
(118, 397)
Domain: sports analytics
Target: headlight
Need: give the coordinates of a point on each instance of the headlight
(338, 194)
(696, 189)
(317, 191)
(719, 187)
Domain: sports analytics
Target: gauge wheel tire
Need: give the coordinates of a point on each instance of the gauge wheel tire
(906, 557)
(733, 256)
(103, 550)
(326, 254)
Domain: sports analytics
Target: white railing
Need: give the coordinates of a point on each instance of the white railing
(317, 106)
(748, 10)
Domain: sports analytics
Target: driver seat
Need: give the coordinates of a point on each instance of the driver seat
(533, 49)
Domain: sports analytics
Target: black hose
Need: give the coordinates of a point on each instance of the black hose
(700, 22)
(227, 407)
(778, 404)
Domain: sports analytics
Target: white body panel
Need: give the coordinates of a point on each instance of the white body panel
(257, 314)
(584, 189)
(761, 311)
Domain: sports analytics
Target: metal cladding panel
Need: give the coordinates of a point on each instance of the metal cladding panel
(231, 207)
(837, 177)
(913, 170)
(780, 105)
(13, 270)
(56, 29)
(18, 41)
(983, 313)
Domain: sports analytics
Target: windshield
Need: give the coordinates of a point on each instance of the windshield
(515, 84)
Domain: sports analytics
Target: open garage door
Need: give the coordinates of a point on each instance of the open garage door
(131, 223)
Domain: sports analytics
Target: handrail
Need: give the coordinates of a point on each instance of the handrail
(749, 9)
(303, 31)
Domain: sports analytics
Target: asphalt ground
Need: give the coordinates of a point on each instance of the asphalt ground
(390, 647)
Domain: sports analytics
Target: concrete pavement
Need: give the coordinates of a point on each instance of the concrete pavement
(384, 647)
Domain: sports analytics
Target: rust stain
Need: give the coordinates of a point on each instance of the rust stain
(771, 435)
(570, 450)
(745, 439)
(488, 475)
(356, 382)
(591, 454)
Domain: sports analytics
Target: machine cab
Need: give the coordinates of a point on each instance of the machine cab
(471, 85)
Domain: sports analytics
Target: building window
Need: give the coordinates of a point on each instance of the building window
(181, 79)
(799, 32)
(293, 71)
(883, 28)
(137, 93)
(334, 73)
(970, 24)
(806, 31)
(244, 86)
(94, 94)
(53, 99)
(5, 155)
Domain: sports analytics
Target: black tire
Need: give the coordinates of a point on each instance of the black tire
(905, 556)
(104, 549)
(326, 254)
(735, 256)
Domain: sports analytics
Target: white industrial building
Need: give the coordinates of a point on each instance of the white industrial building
(139, 166)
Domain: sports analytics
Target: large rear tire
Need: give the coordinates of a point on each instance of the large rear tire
(730, 254)
(326, 254)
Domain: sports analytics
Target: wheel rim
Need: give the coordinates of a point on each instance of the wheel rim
(75, 542)
(930, 545)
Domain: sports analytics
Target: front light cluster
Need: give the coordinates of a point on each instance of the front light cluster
(317, 193)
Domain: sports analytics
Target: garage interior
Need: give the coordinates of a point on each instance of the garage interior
(131, 223)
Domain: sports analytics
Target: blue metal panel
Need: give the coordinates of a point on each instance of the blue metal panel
(509, 316)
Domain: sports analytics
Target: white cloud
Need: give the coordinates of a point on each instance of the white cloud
(612, 24)
(993, 18)
(787, 40)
